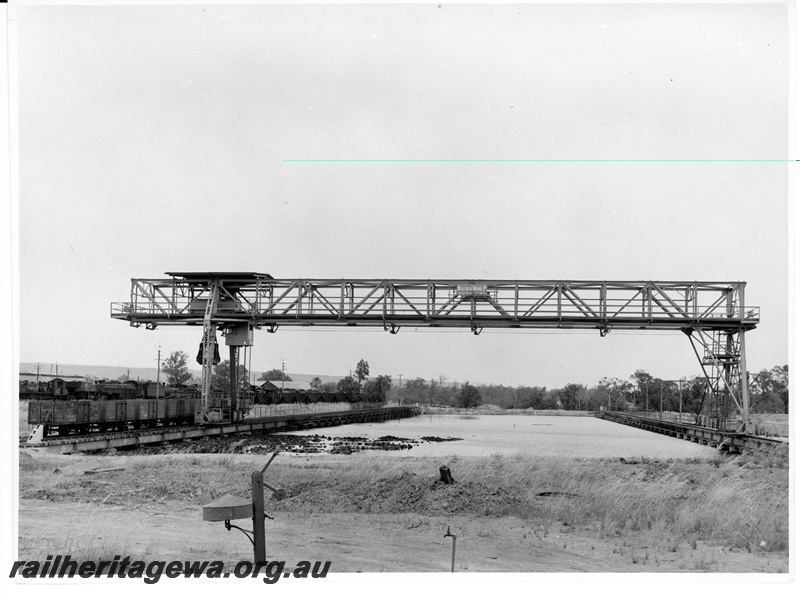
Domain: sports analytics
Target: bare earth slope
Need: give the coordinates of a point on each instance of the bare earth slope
(513, 515)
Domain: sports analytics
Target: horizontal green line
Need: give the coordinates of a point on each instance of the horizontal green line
(538, 160)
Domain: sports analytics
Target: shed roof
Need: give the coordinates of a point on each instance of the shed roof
(26, 376)
(293, 386)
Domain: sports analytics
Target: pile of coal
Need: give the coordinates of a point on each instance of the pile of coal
(440, 439)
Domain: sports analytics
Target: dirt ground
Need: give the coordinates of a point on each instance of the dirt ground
(361, 543)
(97, 516)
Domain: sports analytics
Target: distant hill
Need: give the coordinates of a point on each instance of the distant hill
(144, 373)
(98, 371)
(307, 377)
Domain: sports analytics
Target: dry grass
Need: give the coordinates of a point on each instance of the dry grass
(672, 501)
(733, 502)
(24, 428)
(87, 545)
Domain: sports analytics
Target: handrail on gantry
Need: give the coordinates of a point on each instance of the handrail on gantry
(712, 314)
(264, 301)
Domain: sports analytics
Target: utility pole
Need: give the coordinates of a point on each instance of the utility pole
(399, 387)
(158, 373)
(283, 374)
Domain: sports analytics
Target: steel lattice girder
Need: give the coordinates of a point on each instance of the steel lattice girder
(260, 300)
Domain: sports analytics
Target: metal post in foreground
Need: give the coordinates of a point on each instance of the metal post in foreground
(228, 508)
(453, 560)
(259, 533)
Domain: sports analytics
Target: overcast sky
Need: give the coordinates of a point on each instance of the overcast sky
(155, 138)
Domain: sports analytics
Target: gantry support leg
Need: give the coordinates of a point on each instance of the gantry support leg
(744, 382)
(209, 350)
(234, 360)
(724, 366)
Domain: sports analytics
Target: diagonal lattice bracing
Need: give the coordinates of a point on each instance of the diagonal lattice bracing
(719, 354)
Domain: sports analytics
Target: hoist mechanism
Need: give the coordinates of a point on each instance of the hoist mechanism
(712, 314)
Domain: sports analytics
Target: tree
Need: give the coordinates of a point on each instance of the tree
(646, 388)
(770, 390)
(221, 377)
(362, 372)
(469, 396)
(376, 389)
(530, 397)
(328, 387)
(414, 390)
(618, 393)
(348, 386)
(274, 375)
(316, 384)
(552, 399)
(176, 368)
(570, 396)
(694, 395)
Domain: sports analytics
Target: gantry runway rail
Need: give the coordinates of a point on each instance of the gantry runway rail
(712, 314)
(722, 436)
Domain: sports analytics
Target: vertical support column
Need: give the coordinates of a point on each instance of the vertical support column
(558, 288)
(729, 367)
(234, 361)
(209, 344)
(604, 302)
(209, 348)
(744, 380)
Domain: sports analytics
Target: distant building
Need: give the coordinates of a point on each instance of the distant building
(47, 383)
(293, 387)
(46, 377)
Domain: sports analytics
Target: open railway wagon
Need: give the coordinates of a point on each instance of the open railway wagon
(65, 417)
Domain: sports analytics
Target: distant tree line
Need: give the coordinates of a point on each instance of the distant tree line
(769, 390)
(769, 393)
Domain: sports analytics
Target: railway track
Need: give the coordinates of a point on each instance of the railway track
(724, 441)
(152, 436)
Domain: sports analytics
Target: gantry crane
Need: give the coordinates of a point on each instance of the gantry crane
(712, 314)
